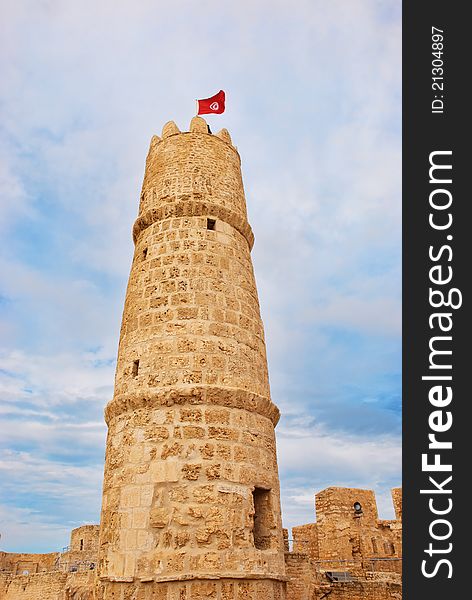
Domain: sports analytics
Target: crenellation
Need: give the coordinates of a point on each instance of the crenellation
(170, 128)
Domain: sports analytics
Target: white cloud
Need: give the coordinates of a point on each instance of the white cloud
(313, 457)
(52, 478)
(22, 528)
(61, 494)
(316, 450)
(47, 380)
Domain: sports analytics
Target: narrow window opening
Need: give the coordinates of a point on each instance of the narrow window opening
(355, 546)
(263, 518)
(135, 368)
(81, 544)
(357, 510)
(145, 251)
(211, 224)
(389, 548)
(374, 546)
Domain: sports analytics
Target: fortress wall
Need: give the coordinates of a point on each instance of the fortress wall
(364, 590)
(223, 589)
(83, 549)
(348, 537)
(15, 563)
(305, 540)
(308, 582)
(303, 580)
(345, 533)
(47, 586)
(85, 539)
(397, 502)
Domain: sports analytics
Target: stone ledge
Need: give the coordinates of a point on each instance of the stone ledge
(198, 577)
(195, 395)
(193, 208)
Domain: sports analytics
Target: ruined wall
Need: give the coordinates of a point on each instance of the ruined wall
(362, 590)
(348, 528)
(397, 502)
(345, 533)
(47, 586)
(303, 578)
(308, 582)
(349, 541)
(305, 540)
(82, 553)
(23, 563)
(222, 589)
(341, 531)
(84, 539)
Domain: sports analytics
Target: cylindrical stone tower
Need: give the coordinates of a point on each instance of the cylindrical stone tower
(191, 501)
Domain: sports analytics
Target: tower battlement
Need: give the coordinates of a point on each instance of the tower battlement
(197, 125)
(193, 173)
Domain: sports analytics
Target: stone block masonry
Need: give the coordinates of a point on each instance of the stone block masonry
(364, 591)
(13, 563)
(191, 489)
(348, 553)
(348, 526)
(48, 586)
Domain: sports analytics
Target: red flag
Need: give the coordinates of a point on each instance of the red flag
(214, 105)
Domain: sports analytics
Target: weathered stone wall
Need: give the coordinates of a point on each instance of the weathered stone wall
(82, 553)
(305, 540)
(85, 539)
(223, 589)
(23, 563)
(303, 579)
(362, 590)
(191, 484)
(397, 502)
(195, 505)
(307, 581)
(348, 539)
(340, 529)
(80, 556)
(47, 586)
(345, 533)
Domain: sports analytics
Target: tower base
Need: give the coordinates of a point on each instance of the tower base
(220, 589)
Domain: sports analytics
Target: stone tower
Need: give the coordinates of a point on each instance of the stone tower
(191, 505)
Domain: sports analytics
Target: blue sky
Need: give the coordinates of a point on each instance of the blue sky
(313, 105)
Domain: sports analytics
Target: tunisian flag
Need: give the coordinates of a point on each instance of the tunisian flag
(214, 105)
